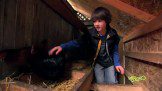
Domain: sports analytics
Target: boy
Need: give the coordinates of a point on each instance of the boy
(104, 41)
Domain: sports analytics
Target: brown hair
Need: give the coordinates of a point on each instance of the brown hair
(101, 13)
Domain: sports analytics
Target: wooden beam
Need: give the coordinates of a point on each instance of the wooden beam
(118, 87)
(84, 83)
(64, 10)
(81, 7)
(139, 14)
(144, 29)
(147, 57)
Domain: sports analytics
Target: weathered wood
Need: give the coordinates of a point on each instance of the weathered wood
(126, 75)
(10, 23)
(56, 27)
(142, 30)
(65, 27)
(2, 7)
(132, 34)
(20, 24)
(82, 7)
(148, 57)
(139, 14)
(121, 21)
(35, 30)
(29, 22)
(42, 9)
(104, 87)
(129, 74)
(51, 23)
(61, 8)
(58, 33)
(84, 83)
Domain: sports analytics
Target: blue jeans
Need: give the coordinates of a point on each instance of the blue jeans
(105, 75)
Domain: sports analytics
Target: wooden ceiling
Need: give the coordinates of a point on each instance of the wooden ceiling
(123, 14)
(125, 17)
(87, 6)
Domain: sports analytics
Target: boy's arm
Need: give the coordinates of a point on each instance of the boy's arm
(116, 56)
(81, 42)
(115, 50)
(70, 45)
(118, 67)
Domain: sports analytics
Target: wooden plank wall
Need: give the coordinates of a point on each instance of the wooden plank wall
(24, 22)
(143, 54)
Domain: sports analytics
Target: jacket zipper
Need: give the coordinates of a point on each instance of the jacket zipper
(108, 51)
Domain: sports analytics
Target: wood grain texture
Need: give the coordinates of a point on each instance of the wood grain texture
(10, 20)
(137, 32)
(129, 10)
(23, 23)
(2, 7)
(149, 57)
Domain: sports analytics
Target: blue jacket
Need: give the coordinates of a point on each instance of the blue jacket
(89, 42)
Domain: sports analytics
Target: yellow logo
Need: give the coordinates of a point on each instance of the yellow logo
(136, 78)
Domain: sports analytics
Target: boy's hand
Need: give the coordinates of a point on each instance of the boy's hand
(120, 69)
(56, 49)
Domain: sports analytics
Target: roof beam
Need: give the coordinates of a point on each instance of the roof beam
(65, 11)
(137, 13)
(144, 29)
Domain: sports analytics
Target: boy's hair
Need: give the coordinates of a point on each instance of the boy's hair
(101, 13)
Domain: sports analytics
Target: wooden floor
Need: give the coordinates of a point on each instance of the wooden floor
(102, 87)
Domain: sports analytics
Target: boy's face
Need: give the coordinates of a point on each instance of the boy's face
(100, 25)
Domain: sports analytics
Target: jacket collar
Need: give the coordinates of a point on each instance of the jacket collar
(95, 34)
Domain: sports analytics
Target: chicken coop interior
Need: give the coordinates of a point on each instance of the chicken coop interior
(30, 28)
